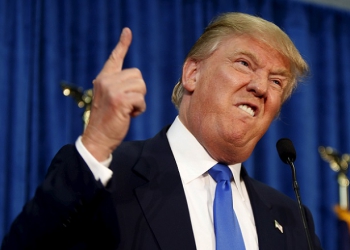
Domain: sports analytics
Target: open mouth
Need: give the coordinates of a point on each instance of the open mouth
(247, 109)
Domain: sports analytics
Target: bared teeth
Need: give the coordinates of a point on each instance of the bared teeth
(247, 109)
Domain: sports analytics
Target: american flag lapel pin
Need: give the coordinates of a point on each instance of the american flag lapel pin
(278, 226)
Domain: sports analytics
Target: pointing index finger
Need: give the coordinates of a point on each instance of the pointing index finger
(116, 59)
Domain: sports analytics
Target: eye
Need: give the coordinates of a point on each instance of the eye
(277, 82)
(244, 63)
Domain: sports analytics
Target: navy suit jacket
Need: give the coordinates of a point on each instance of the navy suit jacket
(142, 207)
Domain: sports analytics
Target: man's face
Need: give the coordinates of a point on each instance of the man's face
(233, 96)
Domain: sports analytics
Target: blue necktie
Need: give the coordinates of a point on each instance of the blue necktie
(227, 231)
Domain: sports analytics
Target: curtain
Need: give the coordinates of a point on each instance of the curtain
(46, 42)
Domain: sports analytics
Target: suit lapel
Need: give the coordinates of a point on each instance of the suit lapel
(268, 223)
(162, 198)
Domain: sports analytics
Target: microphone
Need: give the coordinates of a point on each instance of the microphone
(286, 151)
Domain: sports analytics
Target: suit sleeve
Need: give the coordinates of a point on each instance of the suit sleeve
(62, 209)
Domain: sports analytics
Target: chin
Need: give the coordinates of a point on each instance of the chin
(231, 154)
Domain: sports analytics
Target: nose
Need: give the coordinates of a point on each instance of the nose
(258, 87)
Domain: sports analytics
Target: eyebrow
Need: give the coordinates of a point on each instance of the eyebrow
(280, 71)
(246, 53)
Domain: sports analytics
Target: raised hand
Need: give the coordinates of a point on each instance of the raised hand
(118, 96)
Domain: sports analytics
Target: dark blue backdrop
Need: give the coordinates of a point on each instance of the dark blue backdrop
(45, 42)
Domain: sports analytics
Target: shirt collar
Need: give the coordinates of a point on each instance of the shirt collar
(189, 152)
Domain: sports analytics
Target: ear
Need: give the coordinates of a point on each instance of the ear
(190, 75)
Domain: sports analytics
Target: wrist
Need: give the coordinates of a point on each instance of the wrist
(99, 146)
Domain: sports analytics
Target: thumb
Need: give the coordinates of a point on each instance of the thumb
(115, 61)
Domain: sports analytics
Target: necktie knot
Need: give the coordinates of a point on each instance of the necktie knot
(220, 172)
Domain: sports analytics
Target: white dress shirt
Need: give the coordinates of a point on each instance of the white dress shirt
(193, 162)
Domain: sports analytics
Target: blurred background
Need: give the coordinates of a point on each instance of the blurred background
(44, 43)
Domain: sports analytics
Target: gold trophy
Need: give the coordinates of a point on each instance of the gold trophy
(82, 98)
(339, 164)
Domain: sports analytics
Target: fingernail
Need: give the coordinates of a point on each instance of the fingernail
(123, 32)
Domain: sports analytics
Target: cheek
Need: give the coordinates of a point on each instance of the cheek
(208, 96)
(273, 107)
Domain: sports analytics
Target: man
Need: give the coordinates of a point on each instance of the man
(157, 194)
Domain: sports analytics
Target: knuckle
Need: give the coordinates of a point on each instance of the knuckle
(136, 72)
(143, 87)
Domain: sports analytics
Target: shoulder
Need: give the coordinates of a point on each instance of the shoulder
(134, 149)
(271, 194)
(260, 191)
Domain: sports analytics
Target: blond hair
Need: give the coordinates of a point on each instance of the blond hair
(237, 24)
